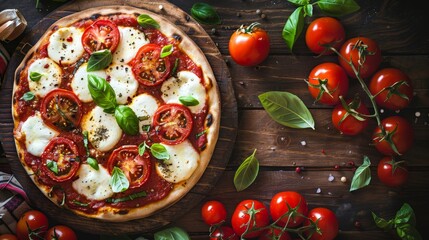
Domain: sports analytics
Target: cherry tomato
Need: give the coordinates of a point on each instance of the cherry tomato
(148, 66)
(32, 224)
(280, 204)
(60, 232)
(224, 233)
(102, 34)
(8, 236)
(173, 123)
(392, 87)
(242, 215)
(61, 109)
(346, 120)
(213, 212)
(324, 31)
(249, 45)
(326, 82)
(274, 233)
(136, 168)
(60, 159)
(365, 55)
(391, 172)
(399, 131)
(326, 221)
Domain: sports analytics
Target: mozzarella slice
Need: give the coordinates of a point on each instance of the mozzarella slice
(144, 106)
(129, 44)
(123, 82)
(183, 161)
(186, 84)
(37, 134)
(79, 83)
(50, 76)
(93, 184)
(103, 130)
(65, 45)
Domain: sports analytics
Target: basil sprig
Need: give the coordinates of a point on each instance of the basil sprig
(119, 181)
(362, 176)
(35, 76)
(99, 60)
(188, 101)
(205, 14)
(246, 172)
(159, 151)
(146, 21)
(127, 120)
(28, 96)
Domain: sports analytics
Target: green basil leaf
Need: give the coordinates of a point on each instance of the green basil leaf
(246, 173)
(338, 8)
(159, 151)
(81, 204)
(102, 93)
(119, 181)
(308, 10)
(293, 27)
(35, 76)
(408, 232)
(146, 128)
(172, 233)
(127, 198)
(405, 215)
(362, 176)
(166, 50)
(205, 14)
(85, 141)
(28, 96)
(127, 120)
(53, 166)
(382, 223)
(142, 148)
(92, 162)
(99, 60)
(147, 21)
(188, 101)
(287, 109)
(299, 2)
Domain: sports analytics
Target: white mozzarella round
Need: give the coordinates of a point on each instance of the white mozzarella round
(93, 184)
(130, 42)
(186, 84)
(65, 45)
(79, 83)
(123, 82)
(182, 163)
(50, 76)
(103, 130)
(144, 106)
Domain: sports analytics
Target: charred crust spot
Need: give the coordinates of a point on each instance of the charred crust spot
(95, 16)
(123, 211)
(209, 120)
(177, 37)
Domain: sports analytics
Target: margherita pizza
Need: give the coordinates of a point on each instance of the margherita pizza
(116, 113)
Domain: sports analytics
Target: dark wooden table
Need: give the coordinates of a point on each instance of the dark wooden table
(401, 31)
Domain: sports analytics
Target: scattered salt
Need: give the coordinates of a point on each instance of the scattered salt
(160, 7)
(303, 143)
(331, 178)
(318, 190)
(417, 114)
(343, 179)
(381, 110)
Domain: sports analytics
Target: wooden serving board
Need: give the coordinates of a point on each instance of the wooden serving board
(214, 171)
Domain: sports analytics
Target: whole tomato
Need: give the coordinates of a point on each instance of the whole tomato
(224, 233)
(391, 172)
(346, 119)
(326, 221)
(326, 82)
(392, 88)
(274, 233)
(8, 236)
(397, 139)
(32, 224)
(365, 55)
(249, 45)
(249, 214)
(324, 31)
(60, 232)
(282, 203)
(213, 212)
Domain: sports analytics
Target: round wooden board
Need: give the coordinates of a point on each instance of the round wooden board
(222, 153)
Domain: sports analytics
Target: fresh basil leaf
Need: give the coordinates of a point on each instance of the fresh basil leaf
(338, 8)
(205, 14)
(99, 60)
(188, 101)
(246, 173)
(147, 21)
(81, 204)
(53, 166)
(308, 10)
(35, 76)
(102, 93)
(28, 96)
(172, 233)
(362, 176)
(127, 198)
(127, 120)
(175, 67)
(382, 223)
(287, 109)
(119, 181)
(146, 128)
(85, 141)
(159, 151)
(142, 148)
(293, 27)
(299, 2)
(92, 162)
(405, 215)
(408, 232)
(166, 50)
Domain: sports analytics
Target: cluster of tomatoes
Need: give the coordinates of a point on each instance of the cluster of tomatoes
(287, 216)
(389, 88)
(34, 224)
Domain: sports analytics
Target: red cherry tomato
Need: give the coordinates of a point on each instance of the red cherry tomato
(274, 233)
(102, 34)
(242, 215)
(347, 121)
(324, 31)
(8, 236)
(391, 172)
(392, 87)
(326, 82)
(250, 45)
(60, 232)
(280, 204)
(224, 233)
(32, 224)
(213, 212)
(365, 55)
(399, 131)
(326, 222)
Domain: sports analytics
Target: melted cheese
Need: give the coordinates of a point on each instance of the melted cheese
(93, 184)
(50, 79)
(145, 106)
(130, 42)
(186, 84)
(123, 82)
(37, 134)
(79, 83)
(103, 130)
(65, 45)
(183, 161)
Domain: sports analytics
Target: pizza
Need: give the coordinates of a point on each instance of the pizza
(116, 113)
